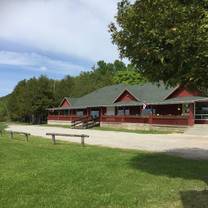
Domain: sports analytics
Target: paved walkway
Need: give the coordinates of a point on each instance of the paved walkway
(178, 144)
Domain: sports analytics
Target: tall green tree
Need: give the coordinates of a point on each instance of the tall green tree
(165, 40)
(30, 98)
(128, 77)
(62, 88)
(100, 76)
(4, 111)
(16, 104)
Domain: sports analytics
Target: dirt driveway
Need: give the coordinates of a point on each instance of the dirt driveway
(177, 144)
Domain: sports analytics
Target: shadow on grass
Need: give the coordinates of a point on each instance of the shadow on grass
(191, 153)
(159, 164)
(194, 199)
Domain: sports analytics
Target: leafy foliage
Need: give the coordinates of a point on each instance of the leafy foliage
(4, 113)
(30, 99)
(165, 40)
(128, 77)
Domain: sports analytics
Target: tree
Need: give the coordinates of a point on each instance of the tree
(63, 88)
(101, 75)
(165, 40)
(128, 77)
(16, 102)
(40, 94)
(4, 112)
(30, 98)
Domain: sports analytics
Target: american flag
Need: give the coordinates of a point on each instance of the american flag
(144, 106)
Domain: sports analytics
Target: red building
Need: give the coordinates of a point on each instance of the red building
(134, 107)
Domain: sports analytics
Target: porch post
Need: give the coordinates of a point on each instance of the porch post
(191, 119)
(88, 112)
(101, 113)
(150, 117)
(59, 113)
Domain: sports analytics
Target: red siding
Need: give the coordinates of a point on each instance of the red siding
(62, 117)
(183, 92)
(161, 120)
(128, 119)
(65, 103)
(180, 120)
(126, 96)
(201, 122)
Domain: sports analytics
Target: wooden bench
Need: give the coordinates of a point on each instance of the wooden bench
(82, 136)
(17, 132)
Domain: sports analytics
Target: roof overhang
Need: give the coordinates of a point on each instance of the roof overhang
(135, 103)
(172, 102)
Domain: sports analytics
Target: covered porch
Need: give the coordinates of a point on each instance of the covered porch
(167, 114)
(177, 112)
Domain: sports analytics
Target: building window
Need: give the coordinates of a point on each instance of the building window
(66, 112)
(127, 112)
(110, 111)
(123, 111)
(120, 112)
(80, 113)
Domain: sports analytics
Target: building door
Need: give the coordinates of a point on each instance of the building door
(95, 113)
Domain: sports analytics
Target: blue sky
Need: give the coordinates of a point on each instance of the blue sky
(53, 37)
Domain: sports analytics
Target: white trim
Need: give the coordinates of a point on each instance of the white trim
(65, 98)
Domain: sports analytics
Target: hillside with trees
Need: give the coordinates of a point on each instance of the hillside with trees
(30, 98)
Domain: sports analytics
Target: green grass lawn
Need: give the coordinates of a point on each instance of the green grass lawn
(39, 174)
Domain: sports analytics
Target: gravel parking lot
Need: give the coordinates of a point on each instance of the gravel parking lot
(187, 146)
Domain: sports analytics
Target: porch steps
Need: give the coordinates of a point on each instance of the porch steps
(197, 130)
(85, 123)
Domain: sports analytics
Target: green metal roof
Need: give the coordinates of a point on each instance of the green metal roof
(107, 95)
(130, 103)
(180, 100)
(72, 101)
(147, 93)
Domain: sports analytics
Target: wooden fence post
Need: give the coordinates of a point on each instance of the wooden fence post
(26, 137)
(12, 135)
(53, 138)
(82, 140)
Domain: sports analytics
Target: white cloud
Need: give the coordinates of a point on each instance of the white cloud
(33, 61)
(72, 27)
